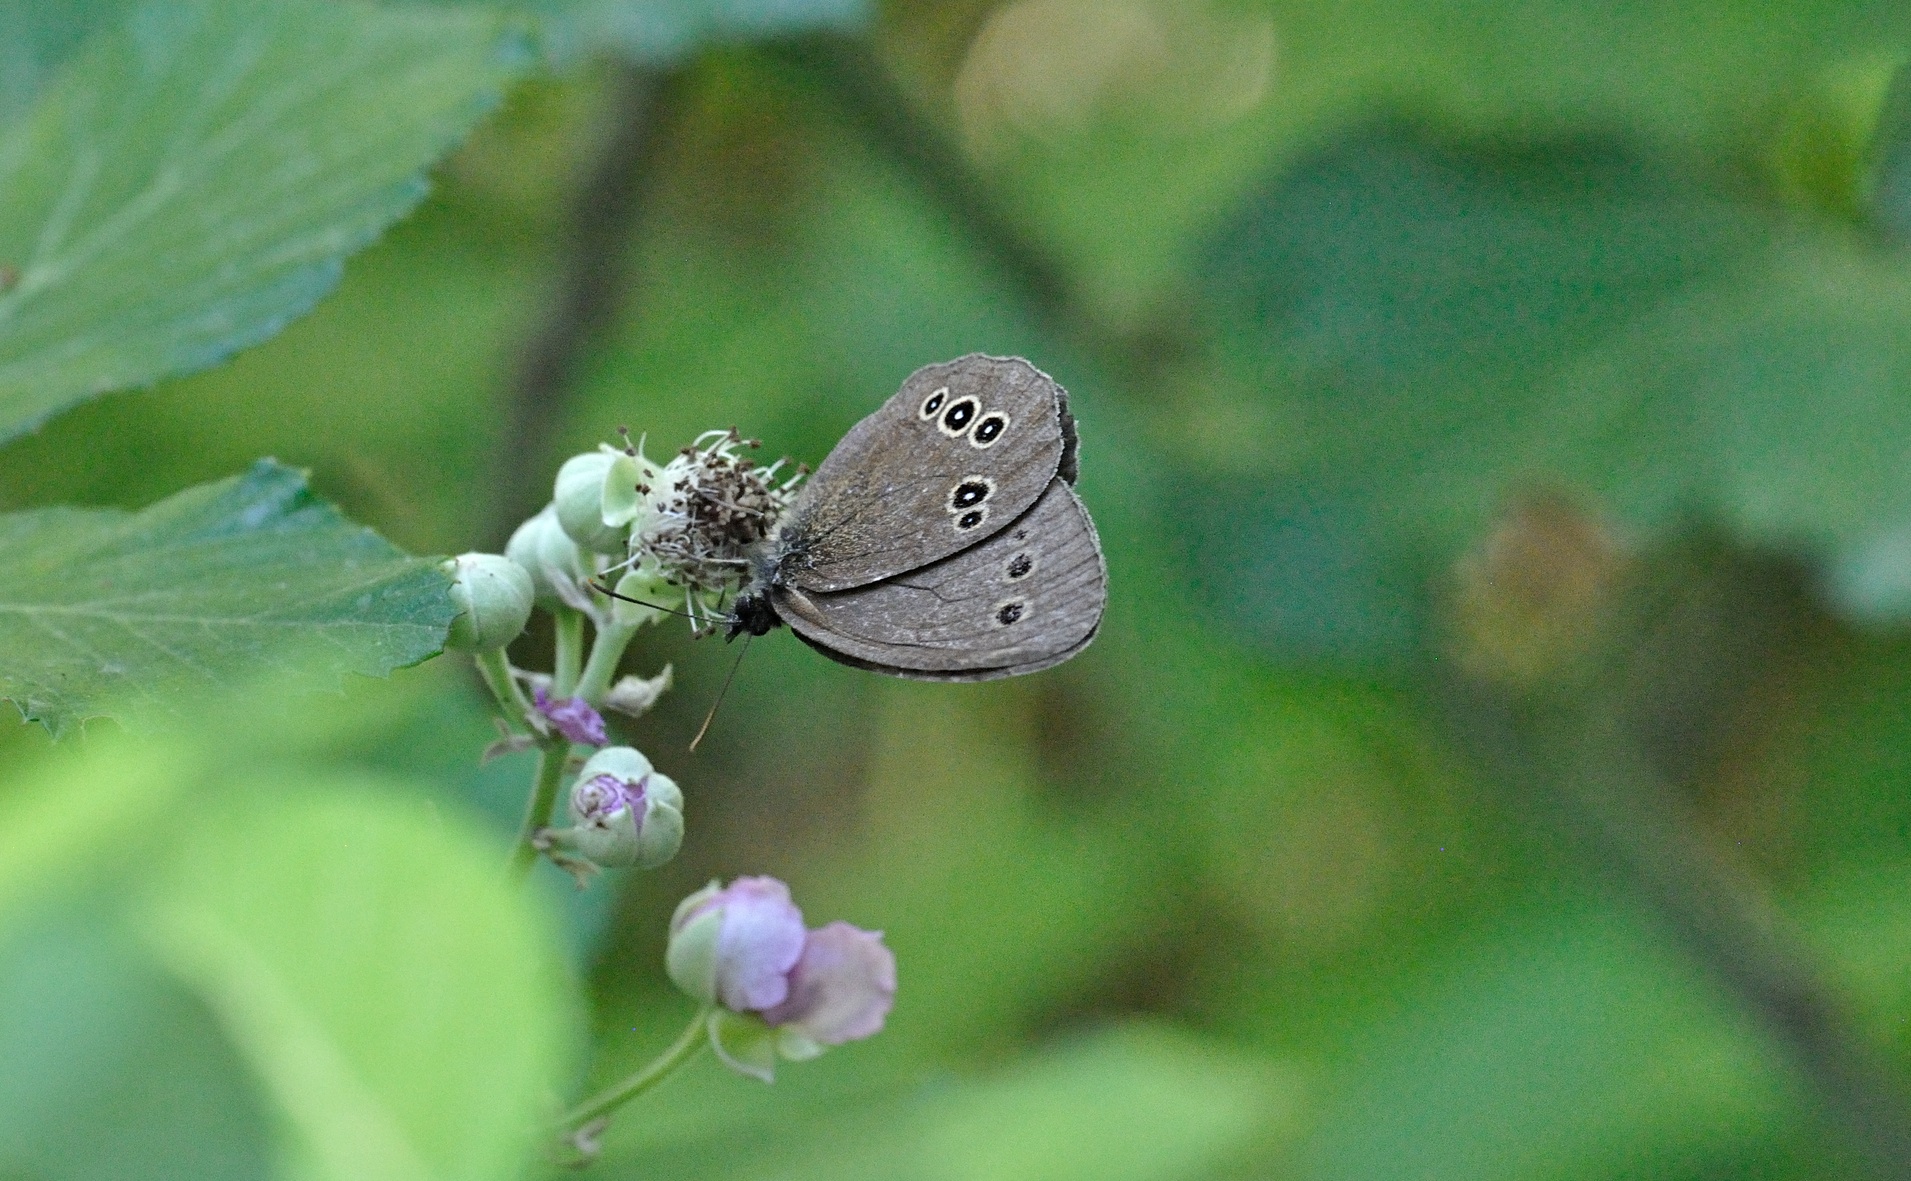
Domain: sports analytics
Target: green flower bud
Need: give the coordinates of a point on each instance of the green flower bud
(493, 595)
(556, 565)
(597, 497)
(624, 813)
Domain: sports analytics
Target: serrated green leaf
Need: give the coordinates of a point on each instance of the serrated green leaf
(657, 32)
(194, 178)
(402, 1003)
(106, 612)
(1458, 329)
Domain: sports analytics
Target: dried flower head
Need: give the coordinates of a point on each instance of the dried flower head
(709, 504)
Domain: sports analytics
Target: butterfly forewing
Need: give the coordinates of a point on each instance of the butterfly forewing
(962, 450)
(1028, 597)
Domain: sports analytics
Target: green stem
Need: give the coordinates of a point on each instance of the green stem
(496, 669)
(570, 652)
(681, 1051)
(605, 654)
(553, 751)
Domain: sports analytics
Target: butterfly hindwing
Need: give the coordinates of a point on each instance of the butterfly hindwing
(1026, 598)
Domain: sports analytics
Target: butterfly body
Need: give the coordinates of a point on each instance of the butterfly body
(942, 538)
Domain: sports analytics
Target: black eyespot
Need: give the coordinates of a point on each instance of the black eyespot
(1020, 565)
(1009, 613)
(1021, 535)
(989, 430)
(934, 402)
(968, 494)
(970, 519)
(957, 418)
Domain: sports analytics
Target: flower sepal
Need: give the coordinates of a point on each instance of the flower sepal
(745, 1043)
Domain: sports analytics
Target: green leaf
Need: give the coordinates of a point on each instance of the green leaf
(1086, 111)
(1890, 164)
(37, 36)
(1457, 328)
(106, 612)
(402, 1003)
(1567, 1043)
(195, 177)
(87, 1024)
(1136, 1102)
(658, 32)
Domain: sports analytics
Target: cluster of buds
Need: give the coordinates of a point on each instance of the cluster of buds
(658, 536)
(779, 990)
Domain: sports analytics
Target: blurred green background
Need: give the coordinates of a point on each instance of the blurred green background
(1496, 761)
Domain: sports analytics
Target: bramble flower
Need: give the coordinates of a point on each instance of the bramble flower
(572, 717)
(706, 507)
(735, 945)
(782, 990)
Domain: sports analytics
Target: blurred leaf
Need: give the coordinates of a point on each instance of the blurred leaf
(1560, 1045)
(1131, 1103)
(47, 845)
(195, 177)
(1891, 159)
(112, 1072)
(1459, 328)
(659, 32)
(1091, 104)
(37, 36)
(103, 611)
(402, 1003)
(1294, 573)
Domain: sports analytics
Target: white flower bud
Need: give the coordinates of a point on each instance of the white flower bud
(596, 498)
(493, 595)
(556, 565)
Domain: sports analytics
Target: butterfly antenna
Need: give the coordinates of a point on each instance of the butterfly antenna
(604, 590)
(721, 693)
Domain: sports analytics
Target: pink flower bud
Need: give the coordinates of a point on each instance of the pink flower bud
(783, 991)
(736, 944)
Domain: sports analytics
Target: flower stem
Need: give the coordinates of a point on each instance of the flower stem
(570, 652)
(496, 670)
(606, 651)
(553, 751)
(604, 1102)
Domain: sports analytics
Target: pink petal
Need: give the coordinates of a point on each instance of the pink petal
(842, 987)
(759, 942)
